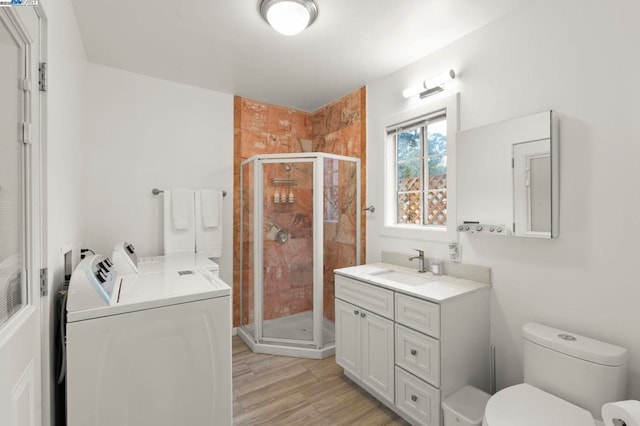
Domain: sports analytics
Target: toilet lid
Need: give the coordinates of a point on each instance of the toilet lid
(525, 405)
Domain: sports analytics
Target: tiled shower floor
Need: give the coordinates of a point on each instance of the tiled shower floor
(297, 326)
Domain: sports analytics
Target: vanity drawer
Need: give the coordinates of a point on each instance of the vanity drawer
(417, 400)
(374, 299)
(418, 314)
(418, 354)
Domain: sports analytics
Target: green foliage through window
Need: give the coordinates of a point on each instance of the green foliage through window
(421, 173)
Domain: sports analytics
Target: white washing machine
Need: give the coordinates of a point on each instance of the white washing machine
(127, 262)
(147, 350)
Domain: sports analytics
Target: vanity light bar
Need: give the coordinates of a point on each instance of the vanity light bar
(430, 86)
(483, 228)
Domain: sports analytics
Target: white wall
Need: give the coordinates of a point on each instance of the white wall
(579, 58)
(65, 151)
(146, 133)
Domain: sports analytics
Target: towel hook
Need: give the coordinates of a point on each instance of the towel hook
(371, 208)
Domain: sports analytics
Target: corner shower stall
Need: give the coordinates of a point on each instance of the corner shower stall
(299, 220)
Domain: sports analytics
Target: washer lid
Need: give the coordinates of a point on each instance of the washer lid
(175, 262)
(140, 292)
(196, 284)
(525, 405)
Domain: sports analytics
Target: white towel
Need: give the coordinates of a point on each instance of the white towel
(181, 208)
(179, 240)
(210, 203)
(208, 239)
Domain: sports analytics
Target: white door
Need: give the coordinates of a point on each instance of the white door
(348, 337)
(377, 354)
(20, 331)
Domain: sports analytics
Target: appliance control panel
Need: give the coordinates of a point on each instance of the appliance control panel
(125, 258)
(92, 283)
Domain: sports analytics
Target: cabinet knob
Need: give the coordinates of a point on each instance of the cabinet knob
(414, 398)
(413, 352)
(356, 312)
(362, 315)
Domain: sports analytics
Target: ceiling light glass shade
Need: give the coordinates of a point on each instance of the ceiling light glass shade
(289, 17)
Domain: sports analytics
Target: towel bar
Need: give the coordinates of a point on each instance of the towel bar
(156, 191)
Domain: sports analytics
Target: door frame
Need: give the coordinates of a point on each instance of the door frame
(47, 302)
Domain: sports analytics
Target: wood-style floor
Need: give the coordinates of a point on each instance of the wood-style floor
(278, 390)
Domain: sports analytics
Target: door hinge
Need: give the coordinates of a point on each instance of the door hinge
(42, 79)
(513, 163)
(44, 288)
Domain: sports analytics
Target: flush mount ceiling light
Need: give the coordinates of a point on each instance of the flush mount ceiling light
(430, 86)
(289, 17)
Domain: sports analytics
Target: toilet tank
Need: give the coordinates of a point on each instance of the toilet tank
(581, 370)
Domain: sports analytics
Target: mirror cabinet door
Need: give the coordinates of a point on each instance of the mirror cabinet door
(508, 177)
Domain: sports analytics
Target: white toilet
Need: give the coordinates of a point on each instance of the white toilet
(567, 380)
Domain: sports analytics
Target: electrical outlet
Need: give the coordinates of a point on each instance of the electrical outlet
(455, 254)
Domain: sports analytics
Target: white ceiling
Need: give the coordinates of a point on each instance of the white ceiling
(224, 45)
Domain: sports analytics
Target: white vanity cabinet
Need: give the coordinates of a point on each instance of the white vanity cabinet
(364, 339)
(408, 351)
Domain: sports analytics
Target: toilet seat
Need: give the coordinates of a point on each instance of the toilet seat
(525, 405)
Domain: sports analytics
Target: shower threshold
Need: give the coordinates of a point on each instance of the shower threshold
(295, 327)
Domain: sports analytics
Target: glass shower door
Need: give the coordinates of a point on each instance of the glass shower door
(247, 247)
(341, 210)
(288, 251)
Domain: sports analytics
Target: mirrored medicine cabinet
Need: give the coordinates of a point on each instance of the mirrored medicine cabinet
(508, 177)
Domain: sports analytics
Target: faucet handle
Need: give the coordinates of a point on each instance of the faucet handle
(420, 252)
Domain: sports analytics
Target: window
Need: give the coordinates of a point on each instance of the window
(421, 171)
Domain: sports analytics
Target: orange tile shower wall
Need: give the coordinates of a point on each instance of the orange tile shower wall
(261, 128)
(340, 128)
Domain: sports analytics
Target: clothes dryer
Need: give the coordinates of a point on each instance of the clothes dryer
(147, 349)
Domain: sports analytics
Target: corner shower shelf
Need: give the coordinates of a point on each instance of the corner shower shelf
(284, 182)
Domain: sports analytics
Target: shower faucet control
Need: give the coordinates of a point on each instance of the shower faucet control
(420, 257)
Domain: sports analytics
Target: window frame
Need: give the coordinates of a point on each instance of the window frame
(421, 126)
(449, 107)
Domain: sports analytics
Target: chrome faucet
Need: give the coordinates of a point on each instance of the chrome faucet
(420, 257)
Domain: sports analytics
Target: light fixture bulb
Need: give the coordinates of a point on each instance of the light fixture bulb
(439, 79)
(289, 17)
(410, 92)
(430, 86)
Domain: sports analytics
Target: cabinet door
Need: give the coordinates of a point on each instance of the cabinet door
(377, 354)
(348, 337)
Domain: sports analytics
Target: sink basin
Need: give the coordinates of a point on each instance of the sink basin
(403, 277)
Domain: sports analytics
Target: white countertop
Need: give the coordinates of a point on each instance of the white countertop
(436, 288)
